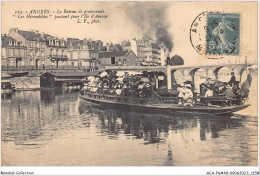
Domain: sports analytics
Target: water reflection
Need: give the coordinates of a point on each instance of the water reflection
(31, 111)
(153, 128)
(32, 120)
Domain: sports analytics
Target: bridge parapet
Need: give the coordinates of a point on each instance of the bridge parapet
(212, 71)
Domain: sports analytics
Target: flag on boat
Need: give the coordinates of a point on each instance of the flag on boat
(245, 81)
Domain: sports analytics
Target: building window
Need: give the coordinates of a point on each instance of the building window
(9, 52)
(113, 60)
(20, 52)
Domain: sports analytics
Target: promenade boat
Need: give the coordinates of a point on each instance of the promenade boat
(145, 91)
(156, 103)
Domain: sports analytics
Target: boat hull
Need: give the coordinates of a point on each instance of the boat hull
(158, 108)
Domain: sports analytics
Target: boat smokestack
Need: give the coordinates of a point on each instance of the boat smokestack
(168, 60)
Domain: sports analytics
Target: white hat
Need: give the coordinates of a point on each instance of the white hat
(188, 85)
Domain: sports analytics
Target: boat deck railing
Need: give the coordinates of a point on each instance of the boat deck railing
(154, 98)
(109, 95)
(200, 100)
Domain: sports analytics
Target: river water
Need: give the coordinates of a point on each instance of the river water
(56, 128)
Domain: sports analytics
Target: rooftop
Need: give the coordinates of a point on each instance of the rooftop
(108, 54)
(6, 39)
(31, 36)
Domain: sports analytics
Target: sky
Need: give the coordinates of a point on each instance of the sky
(128, 20)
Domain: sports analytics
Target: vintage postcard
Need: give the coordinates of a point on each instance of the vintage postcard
(129, 84)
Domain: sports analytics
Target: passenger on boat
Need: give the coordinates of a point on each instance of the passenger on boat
(232, 79)
(188, 96)
(175, 85)
(94, 89)
(209, 93)
(147, 89)
(118, 91)
(235, 88)
(203, 90)
(228, 92)
(181, 95)
(222, 89)
(208, 82)
(141, 85)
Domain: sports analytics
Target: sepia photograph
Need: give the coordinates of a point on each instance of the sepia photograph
(133, 83)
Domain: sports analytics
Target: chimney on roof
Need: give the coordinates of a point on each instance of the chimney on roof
(35, 31)
(85, 42)
(168, 60)
(100, 45)
(42, 34)
(107, 45)
(13, 29)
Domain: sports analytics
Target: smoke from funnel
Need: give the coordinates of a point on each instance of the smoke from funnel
(151, 18)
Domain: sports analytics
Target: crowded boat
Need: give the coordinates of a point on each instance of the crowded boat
(149, 84)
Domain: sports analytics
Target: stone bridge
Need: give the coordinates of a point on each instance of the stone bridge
(188, 72)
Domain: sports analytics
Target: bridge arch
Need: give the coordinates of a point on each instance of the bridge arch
(223, 73)
(178, 76)
(198, 76)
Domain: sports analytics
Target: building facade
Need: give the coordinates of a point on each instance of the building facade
(56, 52)
(117, 58)
(35, 47)
(145, 49)
(13, 53)
(83, 53)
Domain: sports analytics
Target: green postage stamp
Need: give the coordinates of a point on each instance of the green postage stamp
(223, 34)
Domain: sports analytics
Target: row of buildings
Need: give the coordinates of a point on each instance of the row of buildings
(34, 50)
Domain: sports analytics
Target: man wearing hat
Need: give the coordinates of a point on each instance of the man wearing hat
(228, 92)
(232, 79)
(181, 94)
(188, 95)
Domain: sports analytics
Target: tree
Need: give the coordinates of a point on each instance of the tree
(176, 60)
